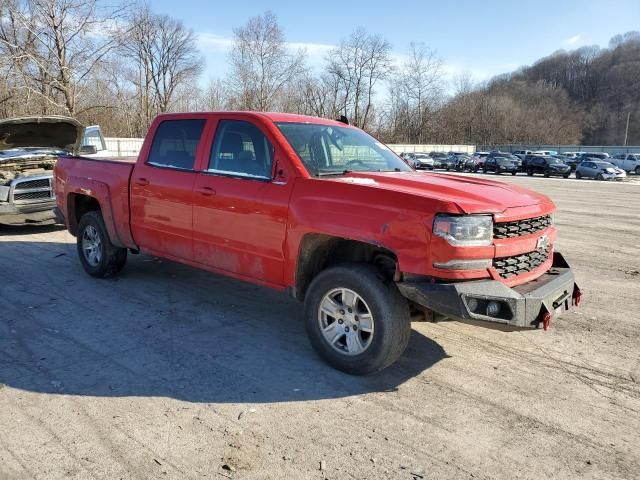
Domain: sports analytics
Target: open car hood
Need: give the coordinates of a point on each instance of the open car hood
(57, 132)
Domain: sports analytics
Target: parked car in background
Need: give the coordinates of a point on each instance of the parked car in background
(594, 156)
(478, 159)
(438, 159)
(522, 153)
(545, 152)
(500, 165)
(450, 162)
(458, 159)
(629, 162)
(465, 163)
(548, 166)
(421, 161)
(572, 154)
(507, 155)
(599, 170)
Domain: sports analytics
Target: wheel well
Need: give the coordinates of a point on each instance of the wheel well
(78, 205)
(317, 252)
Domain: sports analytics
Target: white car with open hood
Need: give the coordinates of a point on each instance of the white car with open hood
(29, 149)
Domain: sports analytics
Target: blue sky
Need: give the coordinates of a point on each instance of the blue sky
(483, 37)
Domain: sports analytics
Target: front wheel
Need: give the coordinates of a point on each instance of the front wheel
(578, 175)
(99, 257)
(637, 170)
(600, 177)
(530, 173)
(514, 173)
(356, 320)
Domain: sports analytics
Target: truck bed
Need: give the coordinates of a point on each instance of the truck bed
(108, 181)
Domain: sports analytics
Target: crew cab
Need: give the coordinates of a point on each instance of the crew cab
(322, 210)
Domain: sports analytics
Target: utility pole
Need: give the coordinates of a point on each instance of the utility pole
(626, 131)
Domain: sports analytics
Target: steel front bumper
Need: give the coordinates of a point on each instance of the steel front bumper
(28, 213)
(530, 305)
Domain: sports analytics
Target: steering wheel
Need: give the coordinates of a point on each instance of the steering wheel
(351, 163)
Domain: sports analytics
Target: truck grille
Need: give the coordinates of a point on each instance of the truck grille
(31, 190)
(521, 227)
(518, 264)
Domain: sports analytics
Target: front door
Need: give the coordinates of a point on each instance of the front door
(240, 211)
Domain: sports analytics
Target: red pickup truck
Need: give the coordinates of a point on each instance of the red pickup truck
(323, 210)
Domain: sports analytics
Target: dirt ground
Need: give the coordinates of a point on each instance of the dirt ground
(169, 372)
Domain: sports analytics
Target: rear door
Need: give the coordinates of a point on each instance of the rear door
(162, 189)
(241, 203)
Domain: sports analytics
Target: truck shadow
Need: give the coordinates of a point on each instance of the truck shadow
(29, 229)
(163, 329)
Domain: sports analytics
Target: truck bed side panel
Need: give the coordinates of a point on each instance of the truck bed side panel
(76, 175)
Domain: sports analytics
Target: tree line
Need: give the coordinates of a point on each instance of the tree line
(121, 66)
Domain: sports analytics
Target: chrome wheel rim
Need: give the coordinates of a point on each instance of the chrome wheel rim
(346, 321)
(91, 246)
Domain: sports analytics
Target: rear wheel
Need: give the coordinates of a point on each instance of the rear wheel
(99, 257)
(530, 172)
(513, 173)
(356, 320)
(546, 175)
(578, 175)
(599, 177)
(637, 170)
(566, 175)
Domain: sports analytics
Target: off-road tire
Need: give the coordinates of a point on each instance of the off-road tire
(112, 260)
(389, 309)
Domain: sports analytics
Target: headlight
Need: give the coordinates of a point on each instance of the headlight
(464, 231)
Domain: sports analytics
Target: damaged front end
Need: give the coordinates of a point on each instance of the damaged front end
(26, 190)
(29, 149)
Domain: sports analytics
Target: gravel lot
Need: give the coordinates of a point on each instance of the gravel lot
(169, 372)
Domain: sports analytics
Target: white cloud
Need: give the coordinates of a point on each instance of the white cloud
(573, 40)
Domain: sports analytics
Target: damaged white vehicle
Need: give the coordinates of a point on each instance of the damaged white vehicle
(29, 149)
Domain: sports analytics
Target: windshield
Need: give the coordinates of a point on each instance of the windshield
(327, 149)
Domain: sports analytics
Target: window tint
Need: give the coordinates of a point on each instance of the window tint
(240, 148)
(175, 143)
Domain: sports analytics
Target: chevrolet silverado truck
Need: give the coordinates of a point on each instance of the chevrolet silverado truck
(29, 149)
(322, 210)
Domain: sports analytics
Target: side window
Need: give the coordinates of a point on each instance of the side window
(175, 143)
(240, 148)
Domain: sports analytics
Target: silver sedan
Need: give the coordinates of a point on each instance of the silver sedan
(599, 170)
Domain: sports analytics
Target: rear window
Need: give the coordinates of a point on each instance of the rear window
(175, 143)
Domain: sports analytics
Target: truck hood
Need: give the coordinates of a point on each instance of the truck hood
(55, 132)
(470, 194)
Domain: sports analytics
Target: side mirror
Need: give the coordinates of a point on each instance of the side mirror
(279, 175)
(88, 150)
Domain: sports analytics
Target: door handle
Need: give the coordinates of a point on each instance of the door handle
(207, 191)
(141, 182)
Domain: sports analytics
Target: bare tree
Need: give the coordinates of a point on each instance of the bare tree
(164, 55)
(55, 45)
(356, 67)
(261, 64)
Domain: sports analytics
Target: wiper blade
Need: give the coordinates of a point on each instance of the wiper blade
(333, 172)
